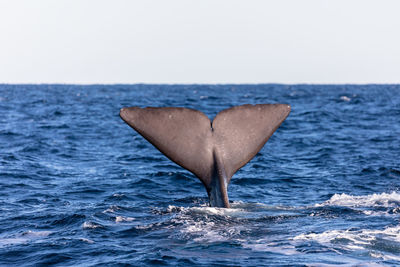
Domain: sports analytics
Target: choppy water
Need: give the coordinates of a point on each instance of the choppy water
(80, 187)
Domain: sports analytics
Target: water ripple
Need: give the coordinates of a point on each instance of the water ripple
(78, 187)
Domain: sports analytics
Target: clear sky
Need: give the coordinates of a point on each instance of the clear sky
(204, 41)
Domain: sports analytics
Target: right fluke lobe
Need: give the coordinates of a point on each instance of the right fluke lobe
(211, 151)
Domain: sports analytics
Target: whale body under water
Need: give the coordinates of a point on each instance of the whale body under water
(212, 151)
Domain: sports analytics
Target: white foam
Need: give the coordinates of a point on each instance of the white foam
(363, 239)
(123, 219)
(208, 229)
(36, 233)
(172, 208)
(145, 227)
(23, 238)
(383, 256)
(350, 263)
(205, 209)
(205, 231)
(111, 209)
(12, 241)
(91, 225)
(329, 236)
(345, 98)
(374, 200)
(251, 207)
(86, 240)
(217, 211)
(209, 232)
(268, 246)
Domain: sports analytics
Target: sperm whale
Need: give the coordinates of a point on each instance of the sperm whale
(212, 151)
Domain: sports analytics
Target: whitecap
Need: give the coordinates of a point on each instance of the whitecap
(86, 240)
(123, 219)
(111, 209)
(387, 200)
(345, 98)
(362, 239)
(91, 225)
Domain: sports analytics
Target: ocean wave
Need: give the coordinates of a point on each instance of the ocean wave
(112, 209)
(216, 211)
(86, 240)
(69, 165)
(123, 219)
(382, 200)
(91, 225)
(373, 240)
(204, 224)
(266, 245)
(208, 231)
(23, 238)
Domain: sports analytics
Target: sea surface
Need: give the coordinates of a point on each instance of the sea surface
(78, 187)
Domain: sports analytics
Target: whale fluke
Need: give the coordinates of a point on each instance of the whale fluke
(213, 151)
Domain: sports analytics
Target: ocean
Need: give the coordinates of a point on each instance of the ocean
(79, 187)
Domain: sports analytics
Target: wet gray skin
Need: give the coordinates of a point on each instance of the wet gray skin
(213, 151)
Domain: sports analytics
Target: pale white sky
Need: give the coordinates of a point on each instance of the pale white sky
(204, 41)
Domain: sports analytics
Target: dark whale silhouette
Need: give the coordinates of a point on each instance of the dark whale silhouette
(213, 151)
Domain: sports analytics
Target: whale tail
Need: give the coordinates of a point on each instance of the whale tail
(213, 151)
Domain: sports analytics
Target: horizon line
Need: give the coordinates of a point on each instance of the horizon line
(195, 83)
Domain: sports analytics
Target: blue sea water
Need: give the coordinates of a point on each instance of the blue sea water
(78, 187)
